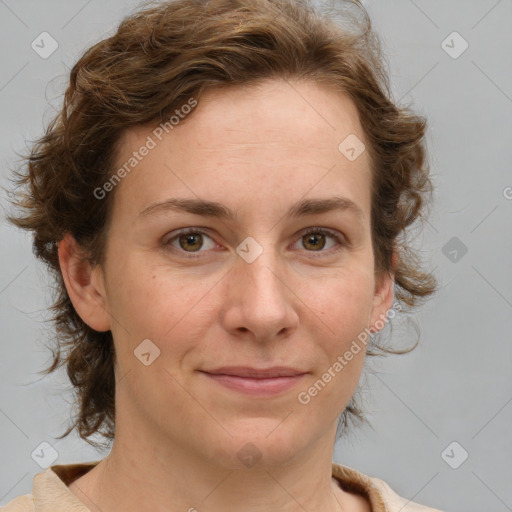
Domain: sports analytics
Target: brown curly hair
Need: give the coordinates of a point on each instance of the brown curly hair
(159, 57)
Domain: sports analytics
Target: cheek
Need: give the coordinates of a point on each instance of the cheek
(340, 326)
(156, 302)
(341, 304)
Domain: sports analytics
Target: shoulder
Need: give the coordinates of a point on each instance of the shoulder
(380, 495)
(396, 502)
(50, 491)
(24, 503)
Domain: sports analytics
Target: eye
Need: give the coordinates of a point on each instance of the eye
(196, 240)
(317, 239)
(190, 241)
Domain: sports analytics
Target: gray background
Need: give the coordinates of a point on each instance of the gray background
(455, 386)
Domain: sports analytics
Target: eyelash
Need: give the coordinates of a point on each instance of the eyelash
(198, 231)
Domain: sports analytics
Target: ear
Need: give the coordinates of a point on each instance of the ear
(84, 284)
(383, 297)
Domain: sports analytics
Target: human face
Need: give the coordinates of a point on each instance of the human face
(258, 152)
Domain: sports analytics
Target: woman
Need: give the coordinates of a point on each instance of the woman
(221, 201)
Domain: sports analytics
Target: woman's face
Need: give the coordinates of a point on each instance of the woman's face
(279, 272)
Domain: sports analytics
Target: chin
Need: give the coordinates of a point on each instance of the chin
(260, 443)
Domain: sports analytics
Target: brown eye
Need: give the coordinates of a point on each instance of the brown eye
(314, 241)
(322, 240)
(191, 242)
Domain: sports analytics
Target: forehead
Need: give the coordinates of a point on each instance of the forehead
(277, 136)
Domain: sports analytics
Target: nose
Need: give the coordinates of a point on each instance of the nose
(259, 300)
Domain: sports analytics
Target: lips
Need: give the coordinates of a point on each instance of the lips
(255, 373)
(262, 382)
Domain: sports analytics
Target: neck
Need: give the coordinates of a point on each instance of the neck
(145, 476)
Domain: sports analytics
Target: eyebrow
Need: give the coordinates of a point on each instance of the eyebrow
(214, 209)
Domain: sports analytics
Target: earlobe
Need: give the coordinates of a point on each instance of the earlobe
(84, 284)
(383, 297)
(382, 302)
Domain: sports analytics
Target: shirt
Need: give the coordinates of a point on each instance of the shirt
(51, 494)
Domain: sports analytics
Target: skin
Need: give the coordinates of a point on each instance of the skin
(258, 151)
